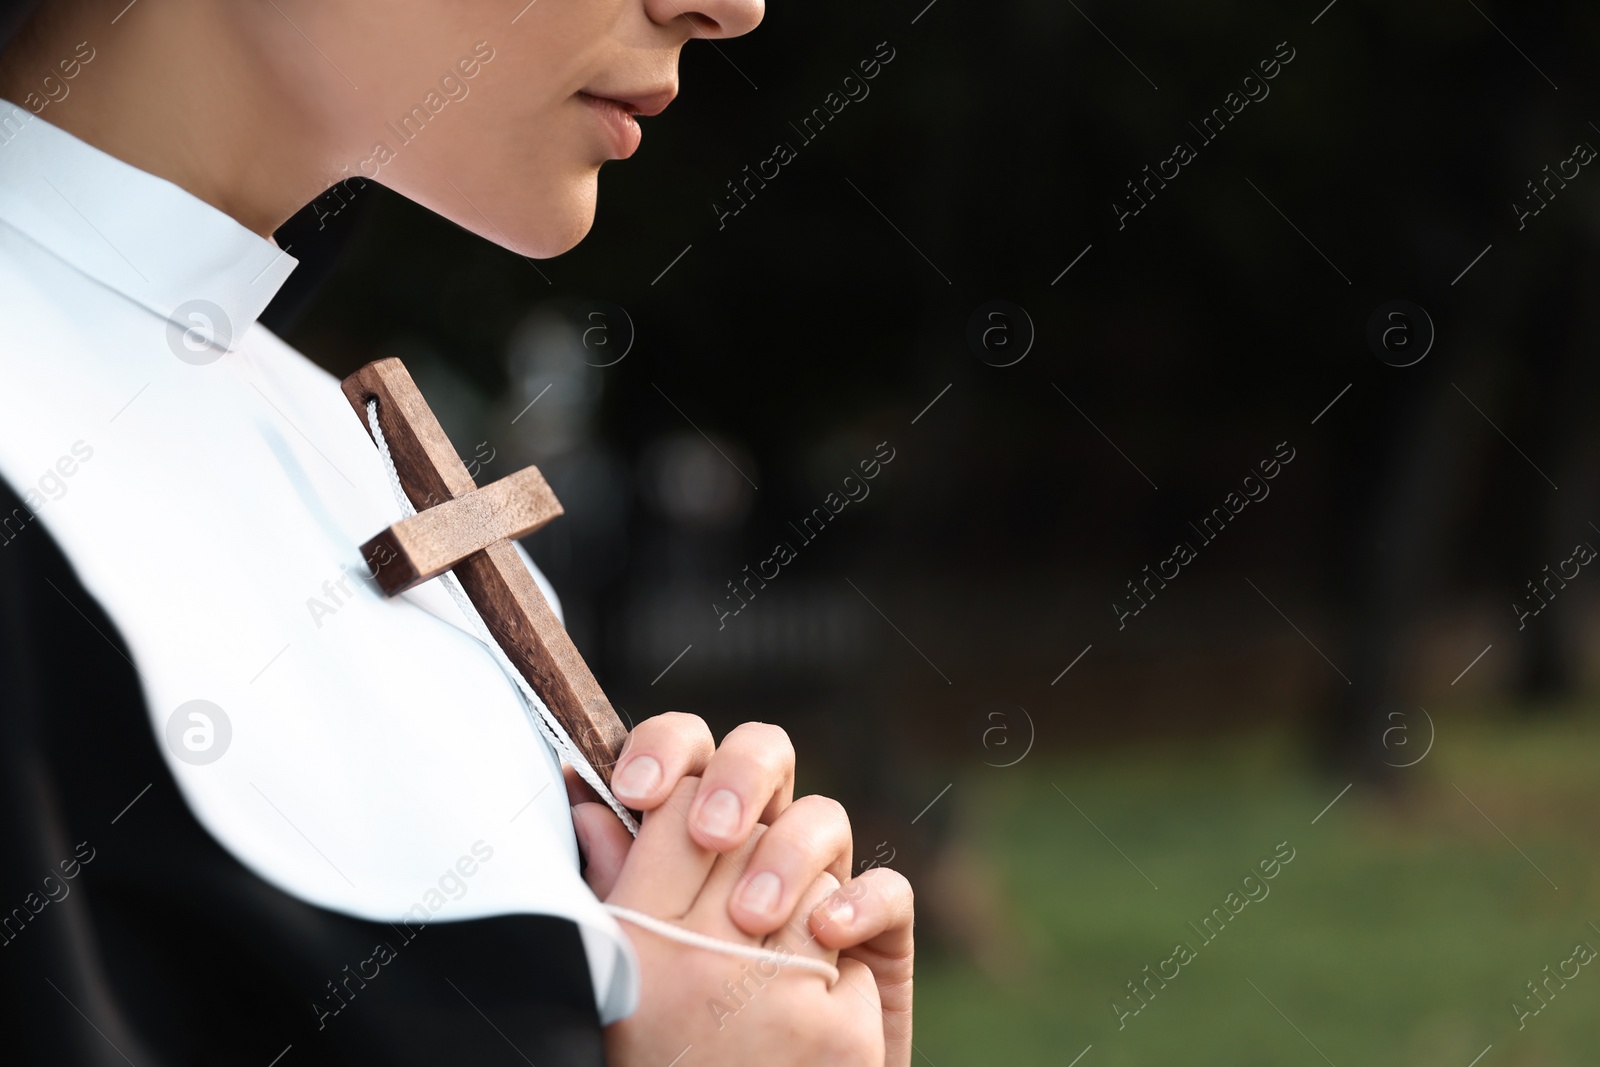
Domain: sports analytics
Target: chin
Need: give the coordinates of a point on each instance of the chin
(545, 222)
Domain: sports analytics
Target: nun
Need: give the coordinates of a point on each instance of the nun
(233, 831)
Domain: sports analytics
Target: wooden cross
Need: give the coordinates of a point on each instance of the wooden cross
(469, 530)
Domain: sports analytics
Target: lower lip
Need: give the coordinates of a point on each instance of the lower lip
(620, 125)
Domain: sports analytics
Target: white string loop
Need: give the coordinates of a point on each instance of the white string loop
(727, 948)
(547, 724)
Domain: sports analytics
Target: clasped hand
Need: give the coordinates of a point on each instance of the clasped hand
(724, 850)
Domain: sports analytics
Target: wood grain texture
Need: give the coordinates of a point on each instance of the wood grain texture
(436, 539)
(430, 470)
(497, 582)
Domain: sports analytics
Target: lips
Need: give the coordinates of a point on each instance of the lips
(617, 110)
(645, 102)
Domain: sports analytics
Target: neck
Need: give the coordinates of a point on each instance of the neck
(182, 89)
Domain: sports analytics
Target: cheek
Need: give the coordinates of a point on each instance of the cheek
(527, 183)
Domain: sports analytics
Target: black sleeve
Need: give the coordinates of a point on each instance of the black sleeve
(128, 934)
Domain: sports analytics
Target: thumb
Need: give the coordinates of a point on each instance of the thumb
(603, 844)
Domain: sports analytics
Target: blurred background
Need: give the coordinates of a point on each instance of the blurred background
(1376, 258)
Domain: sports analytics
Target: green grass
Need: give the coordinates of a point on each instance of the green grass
(1399, 934)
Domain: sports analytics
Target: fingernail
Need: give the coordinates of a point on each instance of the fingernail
(638, 779)
(838, 911)
(719, 815)
(761, 893)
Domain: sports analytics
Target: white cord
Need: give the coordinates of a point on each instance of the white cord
(547, 724)
(727, 948)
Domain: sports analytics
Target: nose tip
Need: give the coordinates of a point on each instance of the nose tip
(741, 16)
(715, 19)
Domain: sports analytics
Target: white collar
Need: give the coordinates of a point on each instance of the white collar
(138, 235)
